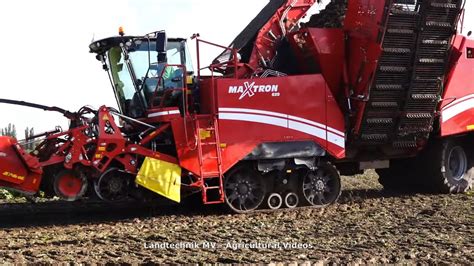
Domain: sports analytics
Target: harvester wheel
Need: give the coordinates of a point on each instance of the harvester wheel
(69, 185)
(321, 187)
(112, 185)
(47, 181)
(389, 180)
(244, 190)
(450, 167)
(400, 177)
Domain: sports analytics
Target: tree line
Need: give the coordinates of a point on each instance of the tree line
(10, 131)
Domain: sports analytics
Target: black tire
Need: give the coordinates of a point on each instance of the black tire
(450, 166)
(389, 180)
(47, 184)
(402, 176)
(47, 180)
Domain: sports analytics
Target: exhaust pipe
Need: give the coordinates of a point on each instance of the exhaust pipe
(274, 201)
(291, 200)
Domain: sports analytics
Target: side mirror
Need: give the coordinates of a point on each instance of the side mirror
(161, 43)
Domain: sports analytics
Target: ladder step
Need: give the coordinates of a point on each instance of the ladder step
(208, 143)
(209, 175)
(214, 202)
(213, 187)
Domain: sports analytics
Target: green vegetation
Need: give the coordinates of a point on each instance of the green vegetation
(5, 194)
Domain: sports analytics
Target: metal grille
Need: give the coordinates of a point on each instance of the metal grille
(408, 81)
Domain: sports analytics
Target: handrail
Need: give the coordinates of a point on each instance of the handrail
(184, 94)
(234, 61)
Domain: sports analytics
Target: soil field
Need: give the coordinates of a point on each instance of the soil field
(367, 225)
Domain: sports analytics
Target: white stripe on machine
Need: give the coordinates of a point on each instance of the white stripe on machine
(457, 107)
(286, 121)
(157, 114)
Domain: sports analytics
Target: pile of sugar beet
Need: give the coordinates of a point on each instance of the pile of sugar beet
(331, 17)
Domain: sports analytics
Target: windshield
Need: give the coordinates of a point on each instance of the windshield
(144, 55)
(123, 82)
(146, 71)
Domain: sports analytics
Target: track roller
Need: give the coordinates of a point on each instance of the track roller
(274, 201)
(321, 187)
(291, 200)
(69, 185)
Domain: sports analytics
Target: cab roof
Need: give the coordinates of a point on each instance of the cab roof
(103, 45)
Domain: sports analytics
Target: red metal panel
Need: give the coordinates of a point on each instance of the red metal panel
(253, 111)
(281, 109)
(207, 96)
(336, 126)
(12, 168)
(361, 75)
(184, 133)
(457, 108)
(328, 45)
(363, 26)
(364, 18)
(14, 173)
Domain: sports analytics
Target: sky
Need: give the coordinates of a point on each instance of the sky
(44, 46)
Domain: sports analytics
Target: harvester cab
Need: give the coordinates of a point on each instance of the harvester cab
(146, 72)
